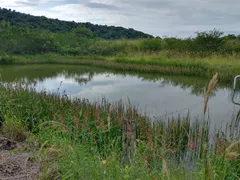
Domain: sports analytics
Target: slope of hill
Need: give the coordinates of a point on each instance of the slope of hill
(55, 25)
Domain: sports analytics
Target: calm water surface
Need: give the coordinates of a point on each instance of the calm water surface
(155, 94)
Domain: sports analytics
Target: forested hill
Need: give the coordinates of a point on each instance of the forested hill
(55, 25)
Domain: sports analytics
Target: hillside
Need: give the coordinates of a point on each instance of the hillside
(55, 25)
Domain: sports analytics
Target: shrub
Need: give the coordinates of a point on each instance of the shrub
(151, 45)
(6, 60)
(209, 41)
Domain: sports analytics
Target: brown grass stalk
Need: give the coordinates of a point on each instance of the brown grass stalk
(209, 90)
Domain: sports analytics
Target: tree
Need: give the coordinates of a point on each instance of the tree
(209, 40)
(57, 26)
(230, 37)
(238, 37)
(83, 32)
(4, 24)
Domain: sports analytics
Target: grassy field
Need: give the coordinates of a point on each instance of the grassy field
(164, 63)
(111, 140)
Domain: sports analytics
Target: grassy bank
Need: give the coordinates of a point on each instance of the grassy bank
(87, 140)
(178, 64)
(202, 55)
(195, 83)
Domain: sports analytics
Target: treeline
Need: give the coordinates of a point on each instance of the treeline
(203, 43)
(82, 41)
(79, 41)
(57, 26)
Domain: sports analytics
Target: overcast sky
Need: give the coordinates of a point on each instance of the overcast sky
(157, 17)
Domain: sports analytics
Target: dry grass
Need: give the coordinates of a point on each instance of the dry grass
(179, 64)
(209, 90)
(231, 151)
(14, 131)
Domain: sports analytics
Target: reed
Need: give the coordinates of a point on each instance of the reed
(226, 66)
(94, 132)
(209, 90)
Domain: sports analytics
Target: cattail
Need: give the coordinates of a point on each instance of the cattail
(86, 115)
(61, 118)
(109, 123)
(101, 124)
(83, 126)
(150, 140)
(129, 129)
(192, 145)
(120, 120)
(76, 122)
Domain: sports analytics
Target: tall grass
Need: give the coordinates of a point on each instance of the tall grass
(86, 138)
(226, 66)
(6, 60)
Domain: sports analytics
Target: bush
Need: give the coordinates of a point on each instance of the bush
(6, 60)
(151, 45)
(230, 46)
(209, 41)
(81, 41)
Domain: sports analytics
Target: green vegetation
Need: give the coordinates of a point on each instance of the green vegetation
(85, 140)
(31, 74)
(226, 66)
(57, 26)
(202, 55)
(103, 140)
(81, 41)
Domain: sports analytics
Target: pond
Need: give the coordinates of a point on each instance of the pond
(155, 94)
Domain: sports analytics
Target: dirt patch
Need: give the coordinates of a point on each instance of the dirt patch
(16, 163)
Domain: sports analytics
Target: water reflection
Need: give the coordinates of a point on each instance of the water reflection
(156, 94)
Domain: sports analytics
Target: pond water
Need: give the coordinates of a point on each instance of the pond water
(157, 95)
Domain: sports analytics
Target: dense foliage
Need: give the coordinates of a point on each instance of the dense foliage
(57, 26)
(82, 41)
(88, 139)
(26, 34)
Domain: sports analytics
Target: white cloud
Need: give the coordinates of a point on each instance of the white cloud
(157, 17)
